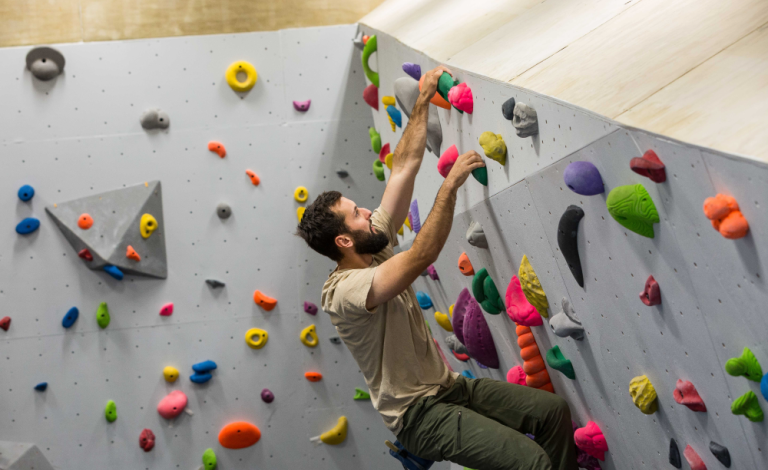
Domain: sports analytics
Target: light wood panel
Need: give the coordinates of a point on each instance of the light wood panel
(39, 21)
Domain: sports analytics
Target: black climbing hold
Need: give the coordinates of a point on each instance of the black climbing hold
(721, 453)
(508, 108)
(214, 283)
(674, 455)
(335, 340)
(567, 241)
(342, 173)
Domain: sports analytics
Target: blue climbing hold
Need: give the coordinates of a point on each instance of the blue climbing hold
(205, 366)
(468, 374)
(114, 271)
(41, 387)
(764, 386)
(409, 461)
(27, 226)
(200, 378)
(396, 115)
(70, 318)
(26, 192)
(583, 178)
(424, 301)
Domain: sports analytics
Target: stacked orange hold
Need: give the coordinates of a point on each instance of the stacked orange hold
(85, 221)
(130, 253)
(264, 301)
(239, 435)
(314, 376)
(254, 177)
(465, 266)
(726, 217)
(533, 364)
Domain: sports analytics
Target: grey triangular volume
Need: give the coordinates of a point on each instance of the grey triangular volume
(22, 456)
(77, 243)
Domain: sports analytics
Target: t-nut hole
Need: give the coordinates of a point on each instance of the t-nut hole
(241, 76)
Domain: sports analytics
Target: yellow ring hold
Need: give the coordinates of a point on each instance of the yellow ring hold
(300, 213)
(309, 331)
(171, 374)
(241, 66)
(259, 343)
(301, 194)
(147, 225)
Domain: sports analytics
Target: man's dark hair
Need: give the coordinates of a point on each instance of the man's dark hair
(320, 225)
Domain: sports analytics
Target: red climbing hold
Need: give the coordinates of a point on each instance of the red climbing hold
(459, 356)
(650, 166)
(217, 147)
(384, 152)
(130, 253)
(371, 96)
(147, 440)
(85, 254)
(686, 394)
(693, 459)
(167, 310)
(651, 295)
(5, 323)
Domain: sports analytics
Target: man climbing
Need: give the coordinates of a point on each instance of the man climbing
(436, 414)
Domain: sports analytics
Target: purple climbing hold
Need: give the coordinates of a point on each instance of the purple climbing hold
(459, 310)
(267, 395)
(583, 178)
(414, 70)
(477, 335)
(310, 308)
(413, 216)
(480, 365)
(432, 272)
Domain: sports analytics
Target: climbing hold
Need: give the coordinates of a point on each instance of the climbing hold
(532, 288)
(218, 148)
(465, 266)
(300, 212)
(481, 175)
(267, 396)
(632, 207)
(110, 411)
(214, 283)
(650, 166)
(460, 97)
(239, 435)
(5, 323)
(202, 372)
(443, 320)
(533, 363)
(453, 341)
(447, 160)
(85, 221)
(461, 357)
(155, 119)
(85, 254)
(102, 315)
(583, 178)
(567, 231)
(261, 338)
(223, 210)
(147, 225)
(205, 366)
(395, 115)
(27, 226)
(565, 323)
(557, 361)
(764, 386)
(651, 294)
(342, 173)
(414, 70)
(263, 301)
(375, 139)
(468, 374)
(172, 405)
(432, 272)
(475, 235)
(508, 109)
(384, 152)
(255, 180)
(301, 194)
(241, 66)
(462, 304)
(438, 99)
(338, 433)
(313, 376)
(335, 340)
(358, 40)
(494, 146)
(309, 331)
(209, 460)
(643, 394)
(130, 253)
(674, 454)
(114, 271)
(26, 192)
(413, 216)
(591, 440)
(748, 406)
(45, 62)
(302, 106)
(485, 292)
(310, 308)
(516, 375)
(525, 120)
(476, 335)
(371, 96)
(369, 48)
(147, 440)
(388, 100)
(70, 317)
(388, 160)
(200, 378)
(378, 169)
(170, 374)
(424, 301)
(519, 309)
(693, 459)
(361, 394)
(406, 94)
(481, 365)
(726, 217)
(721, 453)
(41, 387)
(745, 365)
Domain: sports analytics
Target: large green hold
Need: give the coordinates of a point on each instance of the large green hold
(209, 459)
(745, 365)
(375, 140)
(444, 85)
(361, 394)
(748, 406)
(370, 47)
(110, 411)
(102, 315)
(486, 294)
(633, 208)
(557, 361)
(378, 169)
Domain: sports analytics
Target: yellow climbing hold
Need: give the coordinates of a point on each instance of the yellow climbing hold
(494, 146)
(300, 213)
(337, 434)
(400, 230)
(643, 394)
(391, 122)
(532, 287)
(450, 310)
(301, 194)
(388, 160)
(388, 100)
(250, 76)
(309, 331)
(261, 338)
(443, 320)
(171, 374)
(407, 223)
(147, 225)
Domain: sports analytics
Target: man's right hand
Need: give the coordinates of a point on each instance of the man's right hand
(429, 86)
(463, 167)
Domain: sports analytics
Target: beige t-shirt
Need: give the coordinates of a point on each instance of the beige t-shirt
(391, 343)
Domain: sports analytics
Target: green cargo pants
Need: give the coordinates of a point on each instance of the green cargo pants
(481, 424)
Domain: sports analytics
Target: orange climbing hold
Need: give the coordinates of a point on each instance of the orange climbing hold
(217, 147)
(465, 266)
(533, 364)
(264, 301)
(85, 221)
(239, 435)
(365, 38)
(130, 253)
(253, 176)
(313, 376)
(726, 217)
(437, 100)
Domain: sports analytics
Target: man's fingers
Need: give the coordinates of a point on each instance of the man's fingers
(443, 68)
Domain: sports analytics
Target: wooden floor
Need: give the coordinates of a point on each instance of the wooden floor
(694, 70)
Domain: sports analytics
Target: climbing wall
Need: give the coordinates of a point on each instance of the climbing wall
(713, 289)
(79, 135)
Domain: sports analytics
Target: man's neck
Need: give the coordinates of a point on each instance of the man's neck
(356, 261)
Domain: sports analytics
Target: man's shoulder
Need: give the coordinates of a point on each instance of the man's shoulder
(343, 284)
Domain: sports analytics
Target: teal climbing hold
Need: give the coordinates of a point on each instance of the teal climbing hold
(632, 207)
(481, 175)
(102, 315)
(745, 365)
(468, 374)
(396, 116)
(557, 361)
(70, 318)
(370, 47)
(114, 271)
(444, 85)
(27, 226)
(486, 294)
(424, 301)
(361, 394)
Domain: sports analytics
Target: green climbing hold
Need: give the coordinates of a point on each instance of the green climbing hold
(209, 459)
(428, 327)
(361, 394)
(633, 208)
(481, 175)
(745, 365)
(486, 294)
(748, 406)
(110, 412)
(370, 47)
(102, 315)
(557, 361)
(444, 85)
(375, 140)
(378, 169)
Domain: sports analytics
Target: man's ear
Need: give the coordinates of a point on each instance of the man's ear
(344, 241)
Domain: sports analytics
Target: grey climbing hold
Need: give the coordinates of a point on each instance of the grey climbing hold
(45, 63)
(425, 273)
(721, 453)
(214, 283)
(223, 210)
(455, 345)
(155, 119)
(567, 231)
(358, 40)
(406, 94)
(335, 340)
(22, 456)
(525, 120)
(674, 454)
(342, 173)
(476, 236)
(565, 323)
(508, 109)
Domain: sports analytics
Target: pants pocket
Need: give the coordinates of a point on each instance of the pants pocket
(458, 432)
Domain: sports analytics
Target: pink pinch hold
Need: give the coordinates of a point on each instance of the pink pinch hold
(693, 459)
(460, 97)
(167, 310)
(446, 161)
(302, 106)
(516, 375)
(172, 405)
(519, 309)
(591, 440)
(685, 393)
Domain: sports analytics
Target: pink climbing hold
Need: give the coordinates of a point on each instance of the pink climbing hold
(519, 309)
(5, 323)
(693, 459)
(167, 310)
(651, 295)
(460, 97)
(310, 308)
(147, 440)
(371, 96)
(302, 106)
(591, 440)
(432, 272)
(686, 394)
(516, 375)
(172, 405)
(446, 161)
(384, 152)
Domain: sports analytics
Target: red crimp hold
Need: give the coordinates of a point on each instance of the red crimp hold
(686, 394)
(85, 254)
(5, 323)
(693, 459)
(650, 166)
(651, 295)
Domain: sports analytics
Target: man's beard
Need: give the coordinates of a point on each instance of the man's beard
(369, 243)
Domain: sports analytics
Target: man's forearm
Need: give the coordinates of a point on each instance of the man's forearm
(410, 150)
(431, 238)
